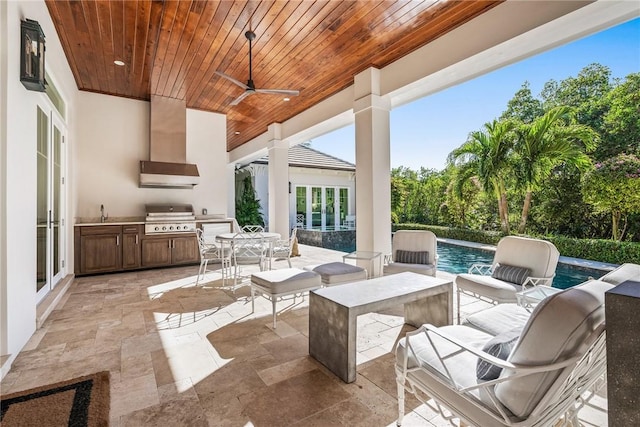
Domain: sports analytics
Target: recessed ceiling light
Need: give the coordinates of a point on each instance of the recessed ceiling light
(119, 63)
(286, 99)
(237, 133)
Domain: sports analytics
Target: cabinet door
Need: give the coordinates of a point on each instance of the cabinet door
(101, 253)
(156, 252)
(185, 250)
(130, 250)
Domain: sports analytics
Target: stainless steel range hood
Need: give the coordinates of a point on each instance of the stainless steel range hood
(167, 166)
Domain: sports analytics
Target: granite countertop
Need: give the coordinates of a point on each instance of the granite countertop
(124, 220)
(213, 218)
(112, 220)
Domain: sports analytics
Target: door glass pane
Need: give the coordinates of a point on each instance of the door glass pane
(301, 207)
(56, 206)
(344, 204)
(330, 209)
(316, 207)
(42, 194)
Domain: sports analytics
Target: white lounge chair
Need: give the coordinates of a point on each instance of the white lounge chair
(558, 356)
(518, 263)
(413, 250)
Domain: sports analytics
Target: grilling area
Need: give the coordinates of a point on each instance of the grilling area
(169, 219)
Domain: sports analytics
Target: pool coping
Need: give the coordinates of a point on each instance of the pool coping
(577, 262)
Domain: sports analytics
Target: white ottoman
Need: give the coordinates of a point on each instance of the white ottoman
(335, 273)
(274, 285)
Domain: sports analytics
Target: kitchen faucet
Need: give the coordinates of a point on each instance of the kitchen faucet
(102, 217)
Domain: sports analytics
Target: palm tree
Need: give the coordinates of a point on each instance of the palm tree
(549, 141)
(486, 155)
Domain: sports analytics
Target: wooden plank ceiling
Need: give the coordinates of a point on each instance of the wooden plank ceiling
(173, 48)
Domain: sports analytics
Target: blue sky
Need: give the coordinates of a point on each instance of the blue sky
(425, 131)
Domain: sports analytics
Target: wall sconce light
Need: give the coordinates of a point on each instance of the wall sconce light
(32, 55)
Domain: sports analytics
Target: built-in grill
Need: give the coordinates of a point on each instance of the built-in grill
(176, 218)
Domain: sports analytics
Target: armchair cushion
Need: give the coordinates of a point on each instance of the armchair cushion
(499, 346)
(493, 288)
(399, 267)
(511, 273)
(499, 319)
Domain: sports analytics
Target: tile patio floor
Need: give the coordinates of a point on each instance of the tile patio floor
(181, 355)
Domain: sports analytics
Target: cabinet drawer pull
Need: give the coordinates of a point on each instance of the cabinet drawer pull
(118, 240)
(136, 239)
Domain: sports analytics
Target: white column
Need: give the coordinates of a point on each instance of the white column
(231, 190)
(278, 181)
(373, 165)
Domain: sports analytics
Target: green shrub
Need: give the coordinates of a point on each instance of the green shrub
(611, 251)
(487, 237)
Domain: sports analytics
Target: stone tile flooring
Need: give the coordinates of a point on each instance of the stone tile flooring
(181, 355)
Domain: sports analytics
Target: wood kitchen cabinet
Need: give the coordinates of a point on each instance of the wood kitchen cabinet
(185, 250)
(169, 250)
(113, 248)
(100, 249)
(131, 248)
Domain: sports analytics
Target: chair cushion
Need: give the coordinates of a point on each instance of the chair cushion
(623, 273)
(499, 346)
(338, 272)
(460, 366)
(286, 280)
(511, 273)
(399, 267)
(493, 288)
(540, 256)
(559, 328)
(412, 257)
(499, 319)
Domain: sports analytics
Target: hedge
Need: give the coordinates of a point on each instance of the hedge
(609, 251)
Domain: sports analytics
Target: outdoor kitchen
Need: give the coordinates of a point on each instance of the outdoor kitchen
(165, 236)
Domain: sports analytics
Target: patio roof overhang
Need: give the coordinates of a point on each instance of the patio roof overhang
(518, 30)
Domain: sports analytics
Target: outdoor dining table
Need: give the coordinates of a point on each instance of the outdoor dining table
(227, 238)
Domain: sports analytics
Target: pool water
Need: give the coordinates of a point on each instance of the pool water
(457, 259)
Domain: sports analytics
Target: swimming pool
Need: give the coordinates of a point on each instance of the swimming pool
(457, 259)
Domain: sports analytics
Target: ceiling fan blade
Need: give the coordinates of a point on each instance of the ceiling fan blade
(232, 80)
(279, 91)
(239, 99)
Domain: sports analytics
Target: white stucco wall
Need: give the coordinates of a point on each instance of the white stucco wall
(19, 171)
(106, 138)
(113, 136)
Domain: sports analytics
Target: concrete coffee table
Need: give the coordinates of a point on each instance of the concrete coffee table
(333, 312)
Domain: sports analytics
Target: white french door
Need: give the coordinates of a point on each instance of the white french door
(50, 226)
(323, 208)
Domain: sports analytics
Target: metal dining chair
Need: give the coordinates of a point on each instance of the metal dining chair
(248, 249)
(210, 251)
(253, 229)
(282, 248)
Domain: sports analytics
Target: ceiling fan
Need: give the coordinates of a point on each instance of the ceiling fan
(250, 88)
